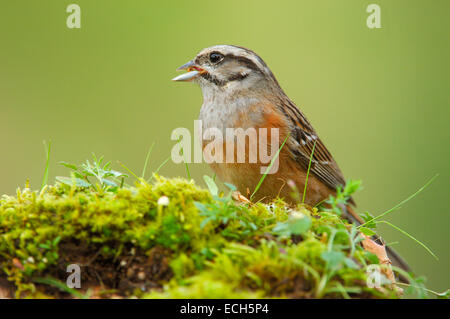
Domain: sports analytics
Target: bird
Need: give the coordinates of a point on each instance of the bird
(240, 91)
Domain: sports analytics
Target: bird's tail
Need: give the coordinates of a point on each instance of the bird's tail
(395, 258)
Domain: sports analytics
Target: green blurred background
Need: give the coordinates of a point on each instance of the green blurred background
(379, 98)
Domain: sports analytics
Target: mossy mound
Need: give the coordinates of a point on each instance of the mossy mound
(171, 239)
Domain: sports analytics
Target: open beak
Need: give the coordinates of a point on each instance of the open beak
(193, 72)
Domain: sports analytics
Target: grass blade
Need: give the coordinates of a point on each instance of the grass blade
(47, 162)
(61, 286)
(402, 202)
(187, 171)
(185, 163)
(307, 172)
(161, 165)
(411, 237)
(213, 189)
(123, 165)
(146, 160)
(269, 167)
(437, 294)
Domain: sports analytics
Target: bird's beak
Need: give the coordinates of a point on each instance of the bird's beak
(193, 72)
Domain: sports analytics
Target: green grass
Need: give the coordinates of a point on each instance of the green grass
(411, 237)
(373, 221)
(197, 243)
(147, 158)
(47, 164)
(398, 206)
(307, 172)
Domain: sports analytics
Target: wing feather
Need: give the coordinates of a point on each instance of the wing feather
(301, 145)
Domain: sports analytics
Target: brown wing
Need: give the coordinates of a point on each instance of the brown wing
(301, 144)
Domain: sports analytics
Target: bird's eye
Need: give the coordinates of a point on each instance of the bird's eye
(215, 57)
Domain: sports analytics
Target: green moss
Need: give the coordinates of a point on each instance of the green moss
(196, 246)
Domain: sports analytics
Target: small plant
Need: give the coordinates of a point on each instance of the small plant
(106, 179)
(51, 250)
(223, 211)
(343, 195)
(298, 223)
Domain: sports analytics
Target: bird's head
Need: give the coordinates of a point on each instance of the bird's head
(227, 68)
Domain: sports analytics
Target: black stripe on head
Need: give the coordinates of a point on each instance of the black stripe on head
(234, 77)
(238, 77)
(248, 62)
(216, 81)
(250, 52)
(261, 61)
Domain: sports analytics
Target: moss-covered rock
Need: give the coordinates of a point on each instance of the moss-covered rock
(171, 239)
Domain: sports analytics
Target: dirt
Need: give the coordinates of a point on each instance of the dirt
(104, 276)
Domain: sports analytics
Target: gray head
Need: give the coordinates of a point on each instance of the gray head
(227, 68)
